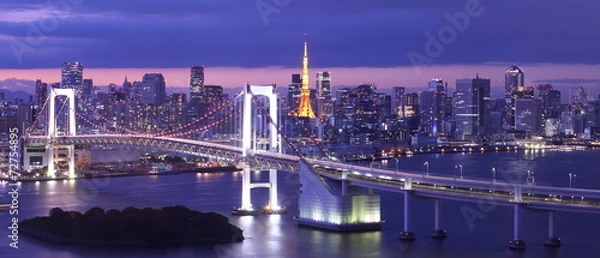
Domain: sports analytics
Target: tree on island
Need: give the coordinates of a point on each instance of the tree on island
(173, 224)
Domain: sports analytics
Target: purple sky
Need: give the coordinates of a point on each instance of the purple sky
(357, 40)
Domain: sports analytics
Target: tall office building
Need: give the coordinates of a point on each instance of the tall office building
(550, 106)
(196, 83)
(410, 113)
(324, 84)
(127, 87)
(293, 96)
(432, 106)
(514, 80)
(472, 108)
(72, 76)
(41, 96)
(176, 110)
(526, 116)
(398, 93)
(513, 77)
(517, 92)
(153, 90)
(324, 100)
(195, 107)
(213, 95)
(88, 85)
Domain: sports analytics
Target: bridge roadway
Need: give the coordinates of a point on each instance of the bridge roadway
(502, 192)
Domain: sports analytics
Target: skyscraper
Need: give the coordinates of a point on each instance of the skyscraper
(72, 76)
(432, 106)
(293, 96)
(410, 112)
(325, 102)
(153, 89)
(196, 83)
(176, 110)
(41, 95)
(88, 85)
(305, 106)
(516, 93)
(526, 117)
(513, 77)
(324, 84)
(397, 98)
(196, 102)
(472, 113)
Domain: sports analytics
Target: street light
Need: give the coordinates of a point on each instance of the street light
(459, 166)
(571, 176)
(426, 164)
(494, 174)
(530, 178)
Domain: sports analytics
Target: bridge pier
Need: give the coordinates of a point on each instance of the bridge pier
(407, 235)
(333, 204)
(516, 243)
(552, 240)
(247, 186)
(438, 233)
(50, 159)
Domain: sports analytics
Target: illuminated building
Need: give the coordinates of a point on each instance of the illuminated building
(176, 110)
(513, 77)
(472, 108)
(517, 92)
(153, 89)
(397, 98)
(526, 115)
(72, 76)
(41, 95)
(550, 106)
(432, 107)
(196, 83)
(410, 112)
(325, 103)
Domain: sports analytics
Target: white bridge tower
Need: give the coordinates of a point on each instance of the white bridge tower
(248, 149)
(61, 153)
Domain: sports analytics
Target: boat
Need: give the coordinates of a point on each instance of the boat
(407, 236)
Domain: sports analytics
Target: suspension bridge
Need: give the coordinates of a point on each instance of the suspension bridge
(333, 195)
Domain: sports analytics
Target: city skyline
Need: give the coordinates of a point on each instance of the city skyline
(563, 76)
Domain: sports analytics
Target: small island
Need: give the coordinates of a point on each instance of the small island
(133, 227)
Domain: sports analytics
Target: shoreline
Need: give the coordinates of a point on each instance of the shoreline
(227, 169)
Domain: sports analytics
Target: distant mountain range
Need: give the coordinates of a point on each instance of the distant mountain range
(17, 88)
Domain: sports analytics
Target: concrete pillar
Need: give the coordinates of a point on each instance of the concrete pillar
(71, 155)
(516, 243)
(407, 235)
(246, 201)
(516, 220)
(273, 189)
(438, 232)
(552, 240)
(50, 155)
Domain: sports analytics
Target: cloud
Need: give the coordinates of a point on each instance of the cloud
(180, 33)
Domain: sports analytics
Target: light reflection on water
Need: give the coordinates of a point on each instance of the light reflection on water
(279, 236)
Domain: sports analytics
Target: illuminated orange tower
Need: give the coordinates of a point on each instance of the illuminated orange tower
(305, 107)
